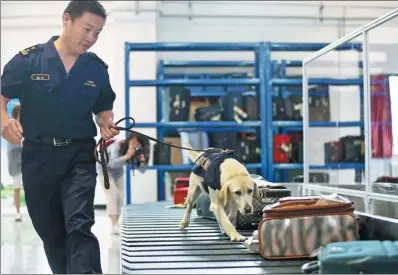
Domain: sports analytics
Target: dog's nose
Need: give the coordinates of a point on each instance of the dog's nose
(248, 209)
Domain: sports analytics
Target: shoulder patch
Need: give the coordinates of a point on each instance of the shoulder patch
(96, 58)
(29, 50)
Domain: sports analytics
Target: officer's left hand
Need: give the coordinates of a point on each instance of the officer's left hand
(107, 131)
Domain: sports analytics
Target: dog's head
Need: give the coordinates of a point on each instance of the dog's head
(241, 190)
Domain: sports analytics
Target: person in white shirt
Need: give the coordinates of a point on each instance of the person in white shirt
(135, 151)
(14, 152)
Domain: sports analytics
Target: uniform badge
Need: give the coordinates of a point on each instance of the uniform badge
(90, 83)
(40, 77)
(28, 50)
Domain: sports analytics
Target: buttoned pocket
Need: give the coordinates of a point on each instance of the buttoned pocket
(43, 86)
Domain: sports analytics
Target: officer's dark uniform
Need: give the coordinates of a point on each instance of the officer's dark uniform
(207, 166)
(58, 165)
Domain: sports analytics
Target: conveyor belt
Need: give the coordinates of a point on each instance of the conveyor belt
(152, 243)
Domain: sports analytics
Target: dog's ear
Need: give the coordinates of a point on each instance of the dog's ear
(224, 194)
(256, 192)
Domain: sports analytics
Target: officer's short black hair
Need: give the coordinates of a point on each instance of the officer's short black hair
(77, 8)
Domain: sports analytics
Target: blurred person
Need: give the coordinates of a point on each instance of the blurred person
(60, 86)
(134, 151)
(14, 152)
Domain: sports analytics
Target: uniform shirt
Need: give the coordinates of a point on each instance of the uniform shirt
(55, 103)
(207, 166)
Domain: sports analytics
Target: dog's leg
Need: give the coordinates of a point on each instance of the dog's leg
(219, 211)
(233, 212)
(193, 193)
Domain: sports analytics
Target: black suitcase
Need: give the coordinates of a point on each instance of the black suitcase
(294, 107)
(232, 104)
(333, 152)
(248, 149)
(161, 154)
(179, 103)
(278, 108)
(251, 106)
(353, 148)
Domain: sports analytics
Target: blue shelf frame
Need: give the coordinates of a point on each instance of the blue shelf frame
(162, 127)
(265, 80)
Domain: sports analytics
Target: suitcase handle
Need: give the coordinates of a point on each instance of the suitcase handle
(310, 268)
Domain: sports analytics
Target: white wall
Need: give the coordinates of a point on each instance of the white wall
(22, 25)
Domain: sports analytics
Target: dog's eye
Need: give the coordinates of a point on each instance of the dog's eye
(238, 193)
(249, 191)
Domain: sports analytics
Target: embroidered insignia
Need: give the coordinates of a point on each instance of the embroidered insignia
(90, 83)
(28, 50)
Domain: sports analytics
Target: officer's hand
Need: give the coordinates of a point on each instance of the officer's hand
(108, 132)
(12, 131)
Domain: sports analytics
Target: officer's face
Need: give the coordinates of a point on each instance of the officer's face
(83, 32)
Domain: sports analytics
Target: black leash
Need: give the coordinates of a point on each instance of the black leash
(102, 157)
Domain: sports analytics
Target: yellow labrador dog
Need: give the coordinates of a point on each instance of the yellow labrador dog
(229, 185)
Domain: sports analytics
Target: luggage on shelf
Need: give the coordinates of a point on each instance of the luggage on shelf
(295, 227)
(251, 105)
(353, 148)
(179, 101)
(282, 149)
(209, 113)
(248, 149)
(333, 152)
(161, 154)
(357, 257)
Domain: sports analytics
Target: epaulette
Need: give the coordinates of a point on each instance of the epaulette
(96, 57)
(29, 50)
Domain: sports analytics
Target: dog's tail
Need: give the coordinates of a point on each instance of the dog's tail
(191, 154)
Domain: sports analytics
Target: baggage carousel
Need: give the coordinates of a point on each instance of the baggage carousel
(152, 243)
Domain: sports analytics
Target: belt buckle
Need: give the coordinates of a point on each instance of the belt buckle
(62, 143)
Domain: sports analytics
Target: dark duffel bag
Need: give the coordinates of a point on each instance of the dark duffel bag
(210, 113)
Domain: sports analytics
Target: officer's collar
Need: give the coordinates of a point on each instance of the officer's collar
(50, 49)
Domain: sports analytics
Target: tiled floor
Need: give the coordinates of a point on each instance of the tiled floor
(22, 250)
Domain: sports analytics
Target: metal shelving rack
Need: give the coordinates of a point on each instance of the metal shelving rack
(265, 79)
(259, 80)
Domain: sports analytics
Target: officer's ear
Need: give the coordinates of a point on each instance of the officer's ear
(66, 20)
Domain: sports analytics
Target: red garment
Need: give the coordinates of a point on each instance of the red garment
(381, 116)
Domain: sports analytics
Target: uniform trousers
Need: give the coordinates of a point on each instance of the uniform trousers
(59, 183)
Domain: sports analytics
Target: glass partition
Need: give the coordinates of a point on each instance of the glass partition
(382, 50)
(350, 118)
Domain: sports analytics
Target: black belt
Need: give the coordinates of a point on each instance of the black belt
(56, 142)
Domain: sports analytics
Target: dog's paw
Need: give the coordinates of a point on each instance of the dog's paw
(184, 224)
(236, 237)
